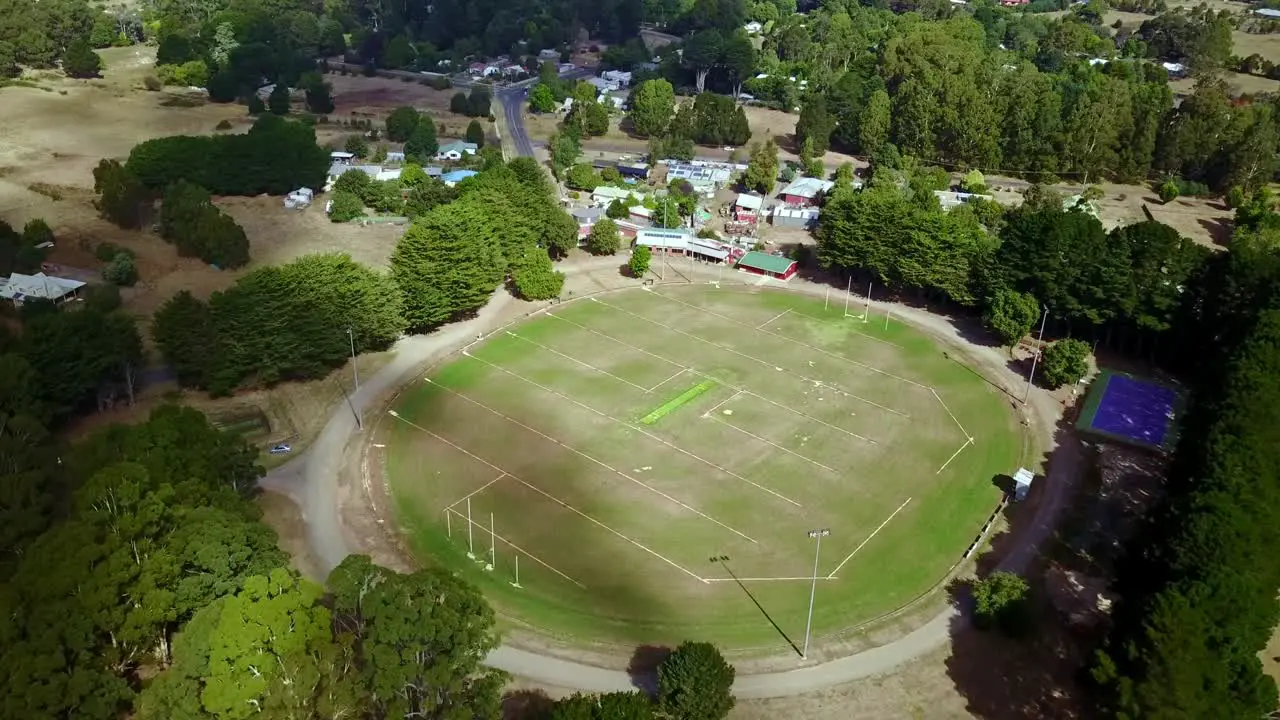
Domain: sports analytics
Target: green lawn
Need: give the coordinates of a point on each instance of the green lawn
(803, 419)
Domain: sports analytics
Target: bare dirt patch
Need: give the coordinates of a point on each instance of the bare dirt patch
(375, 97)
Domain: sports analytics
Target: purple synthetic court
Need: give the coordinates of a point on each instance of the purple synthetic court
(1135, 409)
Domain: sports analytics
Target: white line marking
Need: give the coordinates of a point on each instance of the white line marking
(546, 494)
(761, 325)
(664, 382)
(730, 385)
(802, 344)
(722, 402)
(766, 363)
(576, 360)
(477, 491)
(966, 444)
(953, 416)
(518, 549)
(776, 445)
(812, 418)
(638, 429)
(873, 534)
(575, 451)
(766, 579)
(567, 506)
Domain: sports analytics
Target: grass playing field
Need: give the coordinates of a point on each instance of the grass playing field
(655, 459)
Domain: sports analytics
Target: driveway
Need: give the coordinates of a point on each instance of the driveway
(311, 481)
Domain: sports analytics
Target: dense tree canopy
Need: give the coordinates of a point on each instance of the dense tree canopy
(276, 156)
(279, 323)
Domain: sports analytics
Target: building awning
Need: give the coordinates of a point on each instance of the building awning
(768, 263)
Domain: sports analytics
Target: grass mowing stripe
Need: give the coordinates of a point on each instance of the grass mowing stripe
(674, 403)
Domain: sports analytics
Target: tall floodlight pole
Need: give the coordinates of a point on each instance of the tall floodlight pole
(813, 589)
(355, 371)
(1036, 357)
(866, 314)
(516, 584)
(848, 291)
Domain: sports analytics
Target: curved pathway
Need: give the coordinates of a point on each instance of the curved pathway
(311, 480)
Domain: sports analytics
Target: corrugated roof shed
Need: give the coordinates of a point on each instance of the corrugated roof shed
(766, 262)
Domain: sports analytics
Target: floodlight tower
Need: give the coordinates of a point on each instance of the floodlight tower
(813, 589)
(1036, 357)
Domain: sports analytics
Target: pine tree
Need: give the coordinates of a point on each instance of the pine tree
(448, 263)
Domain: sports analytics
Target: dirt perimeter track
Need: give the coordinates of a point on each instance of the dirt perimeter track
(312, 481)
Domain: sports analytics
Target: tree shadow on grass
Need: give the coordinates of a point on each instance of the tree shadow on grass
(1038, 676)
(777, 628)
(643, 667)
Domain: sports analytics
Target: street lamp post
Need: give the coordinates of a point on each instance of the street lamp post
(813, 589)
(355, 370)
(1035, 358)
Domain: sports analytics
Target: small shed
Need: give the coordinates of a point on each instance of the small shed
(586, 217)
(746, 208)
(639, 171)
(299, 198)
(339, 156)
(1022, 484)
(774, 266)
(395, 156)
(800, 218)
(433, 171)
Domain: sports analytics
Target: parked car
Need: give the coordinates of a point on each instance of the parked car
(280, 449)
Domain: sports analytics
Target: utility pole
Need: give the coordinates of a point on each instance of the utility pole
(813, 589)
(1035, 358)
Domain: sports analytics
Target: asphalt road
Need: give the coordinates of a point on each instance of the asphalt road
(311, 481)
(513, 99)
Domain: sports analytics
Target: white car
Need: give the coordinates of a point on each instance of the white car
(280, 449)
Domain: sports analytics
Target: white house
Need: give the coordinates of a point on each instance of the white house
(753, 28)
(623, 79)
(603, 85)
(1174, 69)
(550, 54)
(455, 150)
(299, 198)
(19, 288)
(339, 156)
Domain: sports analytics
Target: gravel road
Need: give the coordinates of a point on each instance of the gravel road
(311, 480)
